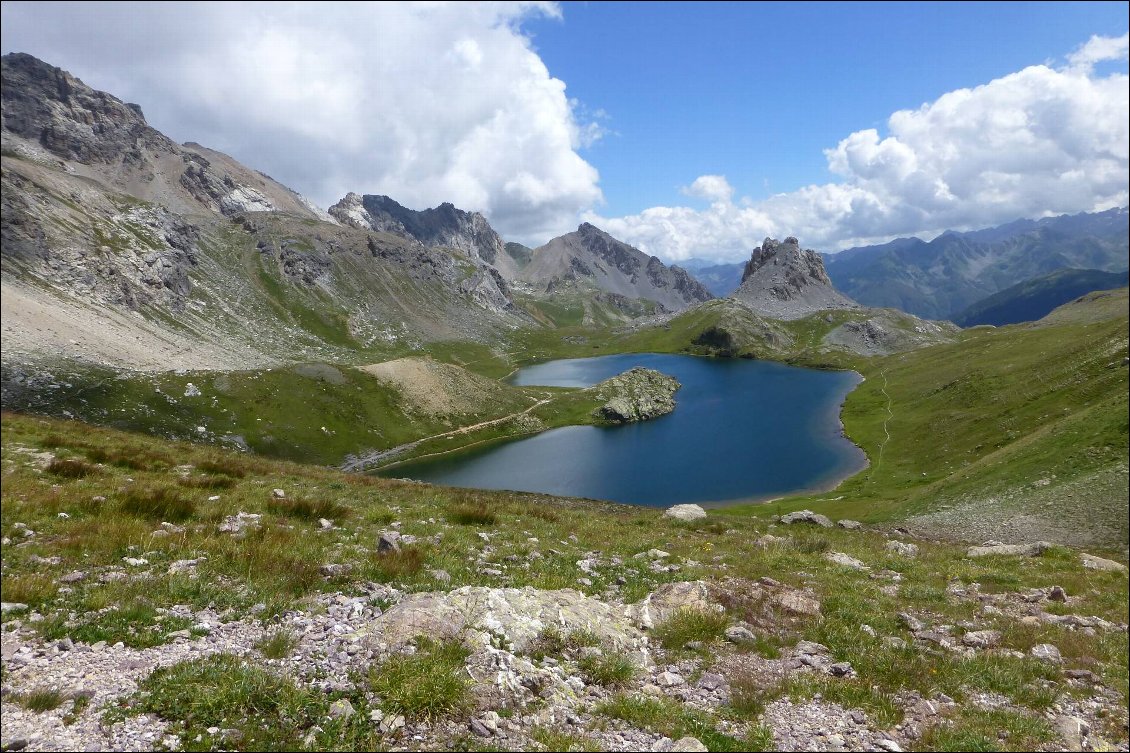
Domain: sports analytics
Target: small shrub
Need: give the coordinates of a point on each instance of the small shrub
(612, 670)
(278, 645)
(308, 509)
(71, 468)
(40, 699)
(161, 503)
(472, 515)
(430, 684)
(688, 625)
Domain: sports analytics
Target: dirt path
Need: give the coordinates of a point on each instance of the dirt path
(353, 464)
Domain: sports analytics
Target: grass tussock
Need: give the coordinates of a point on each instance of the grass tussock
(552, 642)
(472, 515)
(430, 684)
(159, 503)
(390, 566)
(689, 625)
(277, 645)
(981, 730)
(71, 468)
(222, 467)
(674, 720)
(39, 699)
(304, 508)
(225, 691)
(207, 482)
(612, 669)
(32, 589)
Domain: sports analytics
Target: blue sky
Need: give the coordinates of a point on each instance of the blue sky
(688, 130)
(757, 91)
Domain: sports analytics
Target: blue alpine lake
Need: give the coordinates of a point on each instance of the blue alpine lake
(742, 431)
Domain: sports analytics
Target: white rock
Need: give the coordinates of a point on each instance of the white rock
(685, 512)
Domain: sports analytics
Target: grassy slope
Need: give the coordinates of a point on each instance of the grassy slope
(1017, 412)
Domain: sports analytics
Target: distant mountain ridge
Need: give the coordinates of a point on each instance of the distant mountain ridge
(590, 257)
(1036, 298)
(940, 278)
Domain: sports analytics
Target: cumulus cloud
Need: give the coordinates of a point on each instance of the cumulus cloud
(1038, 142)
(425, 102)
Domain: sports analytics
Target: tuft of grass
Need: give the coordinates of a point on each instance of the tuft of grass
(879, 706)
(980, 730)
(472, 515)
(71, 468)
(390, 566)
(551, 739)
(749, 697)
(33, 589)
(611, 669)
(225, 691)
(810, 544)
(308, 509)
(430, 684)
(206, 482)
(222, 467)
(278, 645)
(552, 642)
(673, 719)
(39, 699)
(688, 625)
(161, 503)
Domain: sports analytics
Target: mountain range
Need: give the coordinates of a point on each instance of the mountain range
(940, 278)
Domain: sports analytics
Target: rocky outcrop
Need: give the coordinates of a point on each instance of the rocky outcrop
(888, 331)
(783, 281)
(445, 226)
(591, 258)
(636, 395)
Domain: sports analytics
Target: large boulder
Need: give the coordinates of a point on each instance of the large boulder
(670, 598)
(806, 516)
(1091, 562)
(475, 614)
(685, 512)
(1035, 549)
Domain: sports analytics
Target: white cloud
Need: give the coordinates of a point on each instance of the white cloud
(1098, 49)
(713, 188)
(1037, 142)
(426, 102)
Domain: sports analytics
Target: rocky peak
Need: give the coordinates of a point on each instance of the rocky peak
(591, 257)
(784, 281)
(49, 106)
(446, 225)
(807, 267)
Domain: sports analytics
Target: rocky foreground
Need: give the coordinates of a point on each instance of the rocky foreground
(537, 662)
(166, 597)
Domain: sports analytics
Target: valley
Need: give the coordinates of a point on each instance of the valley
(209, 383)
